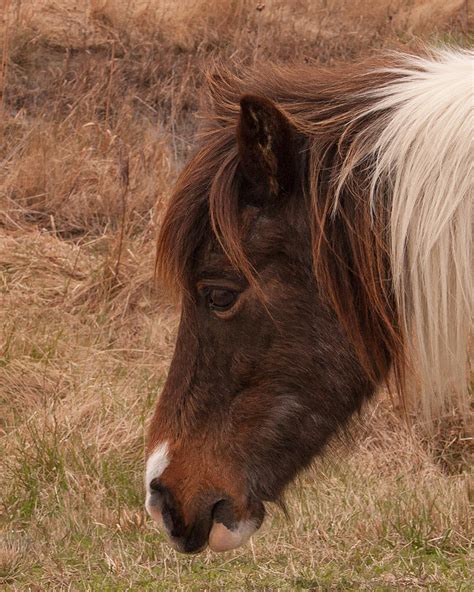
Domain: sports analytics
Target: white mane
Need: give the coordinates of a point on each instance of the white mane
(423, 157)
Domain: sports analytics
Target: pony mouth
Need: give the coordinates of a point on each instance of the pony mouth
(220, 539)
(220, 531)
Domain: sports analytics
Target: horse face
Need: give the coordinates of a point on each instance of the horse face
(262, 373)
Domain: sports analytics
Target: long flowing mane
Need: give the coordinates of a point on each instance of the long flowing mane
(386, 147)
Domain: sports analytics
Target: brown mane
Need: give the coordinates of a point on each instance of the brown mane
(350, 250)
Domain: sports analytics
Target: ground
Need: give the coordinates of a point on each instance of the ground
(97, 116)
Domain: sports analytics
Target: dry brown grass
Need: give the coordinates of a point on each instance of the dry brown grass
(97, 116)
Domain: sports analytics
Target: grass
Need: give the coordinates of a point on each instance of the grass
(96, 119)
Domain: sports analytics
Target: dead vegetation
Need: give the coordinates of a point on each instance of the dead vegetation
(98, 102)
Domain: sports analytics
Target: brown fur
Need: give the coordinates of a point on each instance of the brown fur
(253, 394)
(349, 249)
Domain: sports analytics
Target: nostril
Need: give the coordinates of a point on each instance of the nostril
(161, 498)
(156, 486)
(173, 521)
(223, 512)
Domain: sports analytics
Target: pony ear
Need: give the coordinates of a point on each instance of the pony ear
(266, 146)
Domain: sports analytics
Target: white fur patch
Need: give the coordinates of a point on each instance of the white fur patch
(222, 539)
(421, 147)
(157, 462)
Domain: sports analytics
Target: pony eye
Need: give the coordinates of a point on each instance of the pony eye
(221, 300)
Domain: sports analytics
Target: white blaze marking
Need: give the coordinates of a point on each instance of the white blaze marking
(155, 465)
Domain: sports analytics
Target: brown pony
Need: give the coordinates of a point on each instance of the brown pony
(320, 241)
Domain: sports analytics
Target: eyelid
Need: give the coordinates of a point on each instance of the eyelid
(205, 285)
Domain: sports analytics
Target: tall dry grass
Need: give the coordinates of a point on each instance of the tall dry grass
(98, 103)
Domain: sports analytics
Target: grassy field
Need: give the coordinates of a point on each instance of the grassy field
(97, 115)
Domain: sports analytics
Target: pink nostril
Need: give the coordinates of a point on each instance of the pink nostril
(157, 516)
(223, 539)
(227, 531)
(154, 502)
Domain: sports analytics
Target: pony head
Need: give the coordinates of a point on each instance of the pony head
(278, 240)
(263, 373)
